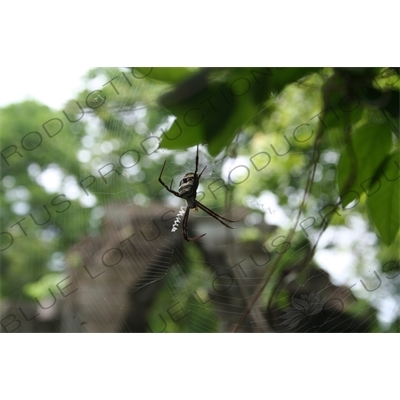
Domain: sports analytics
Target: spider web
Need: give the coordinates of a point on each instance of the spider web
(165, 260)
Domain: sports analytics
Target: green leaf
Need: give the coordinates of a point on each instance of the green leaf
(383, 201)
(243, 110)
(194, 116)
(371, 144)
(388, 100)
(219, 102)
(341, 108)
(165, 74)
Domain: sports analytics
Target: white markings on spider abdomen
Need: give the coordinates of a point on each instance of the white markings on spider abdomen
(186, 185)
(178, 219)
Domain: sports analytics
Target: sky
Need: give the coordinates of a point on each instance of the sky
(52, 86)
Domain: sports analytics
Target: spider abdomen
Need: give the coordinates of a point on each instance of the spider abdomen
(187, 188)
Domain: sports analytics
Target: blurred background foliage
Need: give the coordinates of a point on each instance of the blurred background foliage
(266, 119)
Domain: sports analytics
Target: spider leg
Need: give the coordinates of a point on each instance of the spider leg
(162, 183)
(197, 160)
(184, 228)
(170, 186)
(197, 164)
(215, 215)
(202, 172)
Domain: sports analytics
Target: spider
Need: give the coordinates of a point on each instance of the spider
(188, 191)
